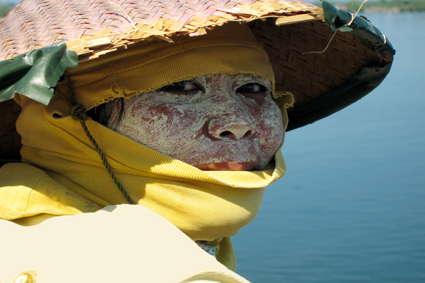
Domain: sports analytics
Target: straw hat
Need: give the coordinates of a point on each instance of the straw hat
(293, 32)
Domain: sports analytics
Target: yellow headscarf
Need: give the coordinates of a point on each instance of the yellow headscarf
(205, 205)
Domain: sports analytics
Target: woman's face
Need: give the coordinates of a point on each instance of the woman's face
(213, 122)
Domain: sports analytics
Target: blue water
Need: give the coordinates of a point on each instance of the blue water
(351, 207)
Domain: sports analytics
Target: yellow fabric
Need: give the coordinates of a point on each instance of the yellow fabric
(205, 205)
(63, 173)
(34, 193)
(149, 65)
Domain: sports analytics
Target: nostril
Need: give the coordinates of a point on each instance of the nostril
(247, 134)
(231, 135)
(228, 128)
(226, 134)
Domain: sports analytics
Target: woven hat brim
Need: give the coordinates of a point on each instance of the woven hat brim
(353, 65)
(92, 28)
(322, 83)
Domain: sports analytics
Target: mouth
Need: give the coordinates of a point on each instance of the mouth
(229, 166)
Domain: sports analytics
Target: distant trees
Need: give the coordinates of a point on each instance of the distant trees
(381, 5)
(402, 5)
(5, 8)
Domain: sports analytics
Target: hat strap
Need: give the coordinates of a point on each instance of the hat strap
(79, 113)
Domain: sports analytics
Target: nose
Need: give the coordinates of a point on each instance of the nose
(234, 126)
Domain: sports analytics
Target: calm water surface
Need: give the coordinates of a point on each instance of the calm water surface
(351, 207)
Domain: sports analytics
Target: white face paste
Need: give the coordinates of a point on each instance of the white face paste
(213, 122)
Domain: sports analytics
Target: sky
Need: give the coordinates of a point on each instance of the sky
(9, 1)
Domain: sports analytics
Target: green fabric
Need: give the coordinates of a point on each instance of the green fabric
(35, 73)
(368, 33)
(362, 83)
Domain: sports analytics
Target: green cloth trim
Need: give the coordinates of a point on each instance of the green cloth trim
(35, 73)
(370, 36)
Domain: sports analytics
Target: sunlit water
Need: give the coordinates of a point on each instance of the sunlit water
(351, 207)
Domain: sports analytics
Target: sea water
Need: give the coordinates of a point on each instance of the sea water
(351, 207)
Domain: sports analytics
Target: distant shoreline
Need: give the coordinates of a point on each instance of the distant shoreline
(368, 10)
(381, 6)
(372, 6)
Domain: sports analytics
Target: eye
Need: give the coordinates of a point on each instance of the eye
(254, 91)
(182, 87)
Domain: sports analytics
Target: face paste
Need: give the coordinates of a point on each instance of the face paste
(213, 122)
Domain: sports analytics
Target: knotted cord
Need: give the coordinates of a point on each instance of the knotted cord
(79, 113)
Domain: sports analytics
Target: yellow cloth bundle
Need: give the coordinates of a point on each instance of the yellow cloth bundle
(149, 65)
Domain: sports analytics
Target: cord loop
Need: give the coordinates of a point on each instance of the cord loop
(78, 112)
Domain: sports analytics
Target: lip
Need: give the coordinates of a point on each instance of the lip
(228, 166)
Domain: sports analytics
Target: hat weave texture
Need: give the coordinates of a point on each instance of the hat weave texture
(288, 30)
(94, 27)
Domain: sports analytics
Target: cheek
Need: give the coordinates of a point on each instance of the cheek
(270, 129)
(163, 127)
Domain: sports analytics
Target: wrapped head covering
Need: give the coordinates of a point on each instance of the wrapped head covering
(149, 65)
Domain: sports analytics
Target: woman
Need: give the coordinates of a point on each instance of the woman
(187, 125)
